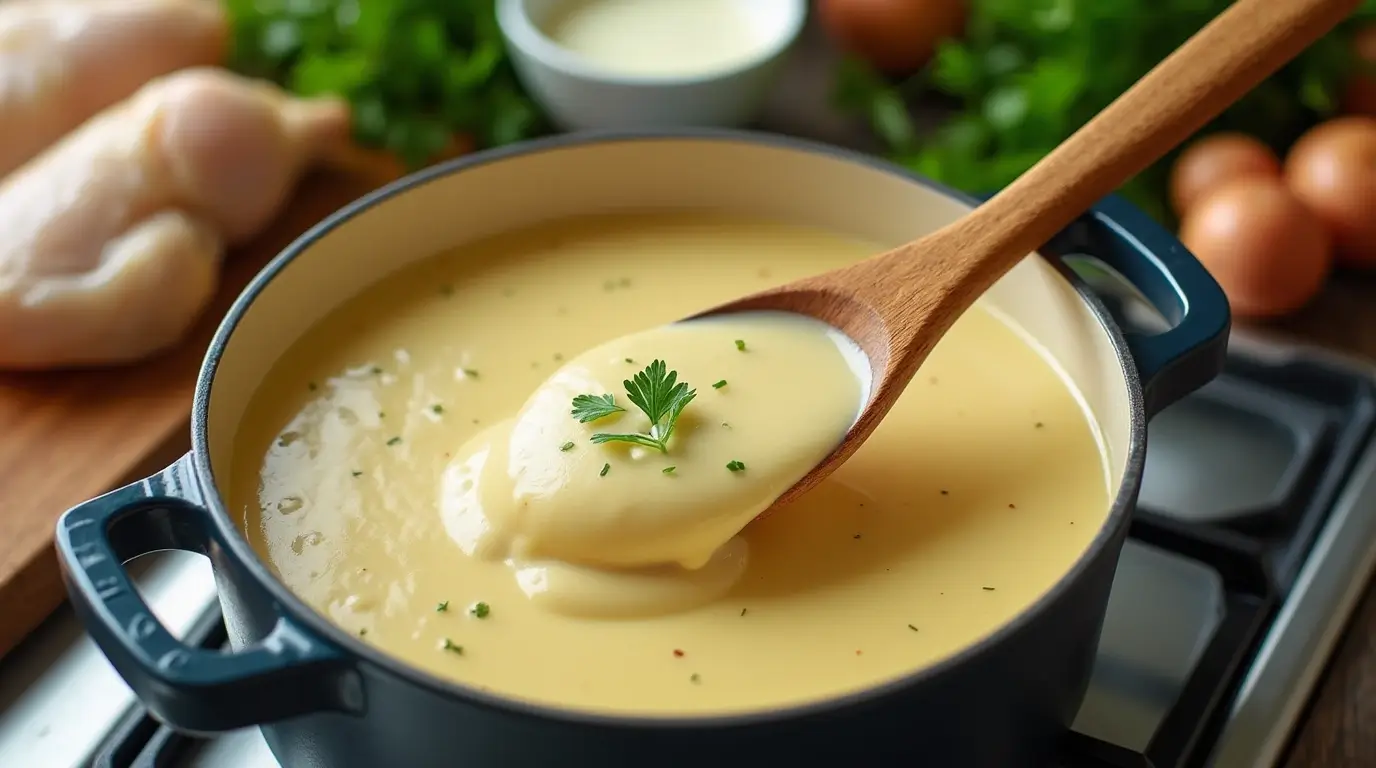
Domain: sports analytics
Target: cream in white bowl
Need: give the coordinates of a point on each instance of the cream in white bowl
(649, 63)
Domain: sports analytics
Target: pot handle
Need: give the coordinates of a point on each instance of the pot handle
(288, 673)
(1176, 362)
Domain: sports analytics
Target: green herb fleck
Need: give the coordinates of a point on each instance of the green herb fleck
(719, 384)
(695, 678)
(630, 360)
(394, 441)
(449, 645)
(357, 473)
(362, 631)
(567, 446)
(987, 589)
(377, 370)
(480, 610)
(437, 409)
(605, 469)
(743, 610)
(658, 393)
(740, 344)
(668, 470)
(442, 606)
(912, 627)
(558, 357)
(469, 373)
(382, 414)
(736, 466)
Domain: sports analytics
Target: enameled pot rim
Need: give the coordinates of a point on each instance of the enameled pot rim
(299, 611)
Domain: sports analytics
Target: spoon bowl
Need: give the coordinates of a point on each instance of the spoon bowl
(897, 305)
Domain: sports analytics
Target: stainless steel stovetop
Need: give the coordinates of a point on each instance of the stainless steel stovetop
(1255, 536)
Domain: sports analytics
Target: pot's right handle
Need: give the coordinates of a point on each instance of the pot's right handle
(1173, 363)
(1178, 361)
(289, 673)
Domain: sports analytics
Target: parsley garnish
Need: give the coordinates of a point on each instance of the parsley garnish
(480, 610)
(605, 469)
(437, 409)
(740, 344)
(719, 384)
(668, 470)
(357, 473)
(442, 607)
(658, 393)
(588, 408)
(469, 373)
(566, 446)
(736, 466)
(394, 441)
(451, 646)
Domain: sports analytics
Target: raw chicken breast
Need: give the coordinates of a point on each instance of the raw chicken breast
(62, 61)
(114, 235)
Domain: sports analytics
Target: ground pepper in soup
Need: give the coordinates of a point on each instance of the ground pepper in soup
(394, 470)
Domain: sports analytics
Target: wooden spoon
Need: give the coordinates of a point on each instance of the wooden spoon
(896, 306)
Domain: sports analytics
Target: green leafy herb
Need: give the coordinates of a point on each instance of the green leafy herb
(668, 470)
(588, 408)
(357, 473)
(658, 393)
(736, 466)
(912, 627)
(629, 360)
(394, 441)
(469, 373)
(1027, 74)
(377, 370)
(695, 678)
(605, 469)
(437, 409)
(418, 73)
(442, 607)
(740, 344)
(566, 446)
(719, 384)
(449, 645)
(480, 610)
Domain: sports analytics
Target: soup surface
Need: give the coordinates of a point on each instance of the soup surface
(977, 493)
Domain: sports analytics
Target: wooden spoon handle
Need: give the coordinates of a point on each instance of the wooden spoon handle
(1228, 57)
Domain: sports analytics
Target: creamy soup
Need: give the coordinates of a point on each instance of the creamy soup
(676, 38)
(976, 494)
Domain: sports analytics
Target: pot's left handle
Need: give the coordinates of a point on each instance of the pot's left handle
(290, 672)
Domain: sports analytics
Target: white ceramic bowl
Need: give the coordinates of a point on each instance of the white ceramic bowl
(578, 94)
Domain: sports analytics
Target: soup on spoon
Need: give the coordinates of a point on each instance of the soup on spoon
(642, 458)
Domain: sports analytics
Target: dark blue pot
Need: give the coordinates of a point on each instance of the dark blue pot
(326, 699)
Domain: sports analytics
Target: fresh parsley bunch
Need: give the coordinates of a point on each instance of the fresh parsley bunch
(418, 72)
(1028, 73)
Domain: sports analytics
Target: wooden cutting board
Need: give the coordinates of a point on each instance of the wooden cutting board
(66, 437)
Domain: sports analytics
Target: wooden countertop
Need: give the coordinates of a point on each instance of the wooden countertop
(1339, 728)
